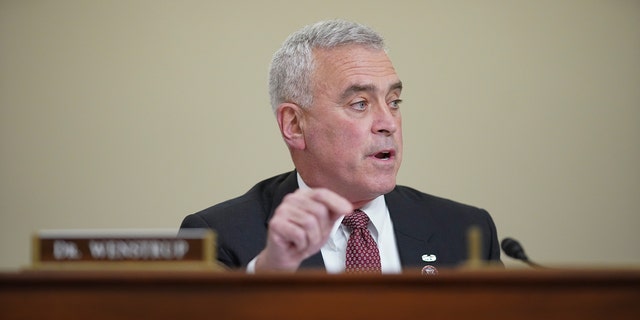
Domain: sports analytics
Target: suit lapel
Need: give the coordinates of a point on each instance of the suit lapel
(413, 228)
(288, 185)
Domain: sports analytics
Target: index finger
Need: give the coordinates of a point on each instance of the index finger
(338, 206)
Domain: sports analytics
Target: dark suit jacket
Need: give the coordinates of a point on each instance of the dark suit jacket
(423, 224)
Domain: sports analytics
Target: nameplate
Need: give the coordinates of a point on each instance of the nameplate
(128, 249)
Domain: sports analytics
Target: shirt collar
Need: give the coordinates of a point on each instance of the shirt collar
(376, 209)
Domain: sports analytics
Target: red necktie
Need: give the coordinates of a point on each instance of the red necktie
(362, 251)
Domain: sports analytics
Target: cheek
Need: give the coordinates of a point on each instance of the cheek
(341, 133)
(339, 148)
(349, 139)
(339, 145)
(336, 136)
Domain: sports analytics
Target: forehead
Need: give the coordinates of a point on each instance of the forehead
(351, 64)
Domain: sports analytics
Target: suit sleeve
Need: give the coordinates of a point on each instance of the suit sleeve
(196, 221)
(492, 239)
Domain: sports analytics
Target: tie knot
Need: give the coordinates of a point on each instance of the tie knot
(356, 220)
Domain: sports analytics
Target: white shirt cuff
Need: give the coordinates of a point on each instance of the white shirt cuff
(251, 267)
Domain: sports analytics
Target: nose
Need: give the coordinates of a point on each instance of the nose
(386, 120)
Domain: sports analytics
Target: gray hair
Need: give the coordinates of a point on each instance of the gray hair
(292, 65)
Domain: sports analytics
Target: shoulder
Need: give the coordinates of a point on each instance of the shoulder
(436, 207)
(253, 206)
(411, 195)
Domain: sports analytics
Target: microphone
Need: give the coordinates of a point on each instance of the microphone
(514, 250)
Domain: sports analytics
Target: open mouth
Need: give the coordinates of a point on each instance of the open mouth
(384, 155)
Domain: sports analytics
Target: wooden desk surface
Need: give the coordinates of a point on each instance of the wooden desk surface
(506, 294)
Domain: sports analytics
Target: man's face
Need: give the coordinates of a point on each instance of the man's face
(353, 130)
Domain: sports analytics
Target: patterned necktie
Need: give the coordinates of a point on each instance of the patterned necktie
(362, 251)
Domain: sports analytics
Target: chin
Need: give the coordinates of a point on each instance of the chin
(383, 186)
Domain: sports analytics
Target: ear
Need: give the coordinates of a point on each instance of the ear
(290, 120)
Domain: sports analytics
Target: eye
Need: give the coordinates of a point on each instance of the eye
(395, 103)
(360, 105)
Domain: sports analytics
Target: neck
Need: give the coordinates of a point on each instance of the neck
(360, 204)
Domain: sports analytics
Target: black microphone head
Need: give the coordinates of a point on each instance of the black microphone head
(513, 249)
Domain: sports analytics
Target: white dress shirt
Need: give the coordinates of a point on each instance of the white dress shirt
(334, 251)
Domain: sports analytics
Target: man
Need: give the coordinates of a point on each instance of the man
(336, 97)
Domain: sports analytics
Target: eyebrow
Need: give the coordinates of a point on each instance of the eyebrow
(367, 88)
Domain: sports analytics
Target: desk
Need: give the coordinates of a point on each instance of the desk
(506, 294)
